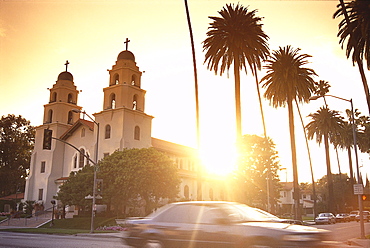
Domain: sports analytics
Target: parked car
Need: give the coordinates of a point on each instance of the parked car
(353, 214)
(325, 218)
(217, 224)
(366, 216)
(343, 217)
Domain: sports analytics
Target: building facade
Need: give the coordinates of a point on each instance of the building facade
(122, 123)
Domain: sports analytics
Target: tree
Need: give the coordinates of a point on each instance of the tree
(326, 124)
(259, 160)
(133, 174)
(287, 80)
(17, 137)
(235, 38)
(355, 30)
(78, 185)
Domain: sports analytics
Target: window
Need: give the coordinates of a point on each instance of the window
(70, 117)
(134, 103)
(186, 192)
(112, 101)
(137, 133)
(133, 80)
(42, 169)
(75, 162)
(83, 132)
(41, 192)
(82, 158)
(54, 97)
(70, 98)
(115, 79)
(50, 116)
(107, 131)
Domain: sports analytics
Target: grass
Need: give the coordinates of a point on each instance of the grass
(68, 226)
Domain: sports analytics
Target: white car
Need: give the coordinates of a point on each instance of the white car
(325, 218)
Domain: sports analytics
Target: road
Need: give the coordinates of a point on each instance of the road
(341, 233)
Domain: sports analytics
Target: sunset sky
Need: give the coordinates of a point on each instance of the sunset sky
(38, 36)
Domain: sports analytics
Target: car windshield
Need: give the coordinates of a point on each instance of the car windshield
(242, 213)
(324, 215)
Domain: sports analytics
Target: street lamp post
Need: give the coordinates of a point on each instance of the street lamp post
(95, 168)
(354, 131)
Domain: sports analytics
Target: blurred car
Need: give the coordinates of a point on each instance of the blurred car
(353, 214)
(343, 217)
(218, 224)
(366, 216)
(325, 218)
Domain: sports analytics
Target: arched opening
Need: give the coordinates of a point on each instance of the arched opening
(107, 132)
(82, 158)
(70, 117)
(112, 101)
(75, 162)
(53, 97)
(115, 80)
(70, 98)
(134, 80)
(50, 116)
(137, 133)
(134, 102)
(186, 192)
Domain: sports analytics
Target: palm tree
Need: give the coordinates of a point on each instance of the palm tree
(355, 30)
(235, 38)
(326, 124)
(286, 80)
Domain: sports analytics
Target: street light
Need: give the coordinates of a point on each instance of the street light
(95, 168)
(360, 206)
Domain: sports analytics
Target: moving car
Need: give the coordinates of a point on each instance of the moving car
(342, 217)
(325, 218)
(218, 224)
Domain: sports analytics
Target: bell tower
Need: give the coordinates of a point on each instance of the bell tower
(63, 99)
(123, 122)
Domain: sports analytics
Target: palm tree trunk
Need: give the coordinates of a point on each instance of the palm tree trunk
(310, 160)
(199, 179)
(350, 165)
(296, 194)
(331, 203)
(237, 102)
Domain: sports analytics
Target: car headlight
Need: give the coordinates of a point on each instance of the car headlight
(297, 237)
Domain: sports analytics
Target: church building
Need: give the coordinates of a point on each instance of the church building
(122, 123)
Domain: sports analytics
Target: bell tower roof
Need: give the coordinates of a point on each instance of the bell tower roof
(126, 55)
(65, 75)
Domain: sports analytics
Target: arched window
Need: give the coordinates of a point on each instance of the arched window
(50, 116)
(82, 158)
(112, 101)
(211, 194)
(134, 102)
(115, 80)
(75, 162)
(70, 117)
(54, 97)
(70, 98)
(83, 132)
(137, 133)
(107, 131)
(133, 80)
(186, 192)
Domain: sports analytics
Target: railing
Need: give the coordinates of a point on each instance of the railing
(35, 214)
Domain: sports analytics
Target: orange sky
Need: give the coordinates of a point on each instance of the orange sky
(37, 37)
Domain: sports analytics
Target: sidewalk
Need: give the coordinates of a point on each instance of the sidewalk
(35, 221)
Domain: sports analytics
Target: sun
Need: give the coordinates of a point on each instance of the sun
(218, 160)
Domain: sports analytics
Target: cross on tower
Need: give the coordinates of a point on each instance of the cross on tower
(126, 42)
(66, 64)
